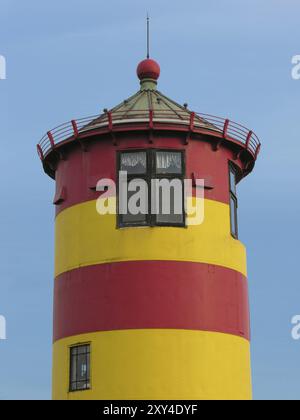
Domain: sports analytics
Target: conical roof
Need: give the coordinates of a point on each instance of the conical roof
(147, 99)
(150, 109)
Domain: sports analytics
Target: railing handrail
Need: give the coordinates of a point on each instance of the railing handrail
(230, 130)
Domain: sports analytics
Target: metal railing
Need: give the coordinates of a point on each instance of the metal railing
(196, 122)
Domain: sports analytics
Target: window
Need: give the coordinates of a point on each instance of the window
(135, 165)
(80, 368)
(233, 201)
(151, 188)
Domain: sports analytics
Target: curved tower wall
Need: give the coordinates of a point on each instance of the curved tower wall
(164, 309)
(156, 312)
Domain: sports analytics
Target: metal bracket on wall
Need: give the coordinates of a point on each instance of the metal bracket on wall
(60, 196)
(208, 183)
(237, 155)
(216, 145)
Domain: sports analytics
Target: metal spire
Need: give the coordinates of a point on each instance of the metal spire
(148, 36)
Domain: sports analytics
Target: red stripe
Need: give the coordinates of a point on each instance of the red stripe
(151, 294)
(79, 173)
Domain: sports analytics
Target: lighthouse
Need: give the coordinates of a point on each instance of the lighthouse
(147, 305)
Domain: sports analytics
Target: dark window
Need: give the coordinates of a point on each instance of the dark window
(135, 163)
(80, 368)
(168, 163)
(152, 193)
(233, 201)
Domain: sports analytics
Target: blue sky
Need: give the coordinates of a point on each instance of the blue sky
(67, 59)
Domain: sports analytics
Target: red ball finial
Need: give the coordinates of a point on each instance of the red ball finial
(148, 69)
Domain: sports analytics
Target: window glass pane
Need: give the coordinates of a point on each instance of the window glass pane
(134, 216)
(73, 351)
(168, 162)
(82, 349)
(80, 368)
(73, 369)
(136, 206)
(233, 217)
(81, 385)
(167, 201)
(88, 357)
(134, 163)
(232, 181)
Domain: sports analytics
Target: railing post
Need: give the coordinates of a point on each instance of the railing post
(192, 119)
(40, 152)
(110, 121)
(51, 139)
(248, 139)
(225, 128)
(191, 127)
(257, 151)
(110, 127)
(75, 128)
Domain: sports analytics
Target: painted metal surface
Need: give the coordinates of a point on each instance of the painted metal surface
(164, 309)
(151, 294)
(159, 364)
(79, 173)
(149, 109)
(148, 69)
(162, 119)
(84, 238)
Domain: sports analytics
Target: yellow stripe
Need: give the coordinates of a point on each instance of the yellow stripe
(83, 238)
(158, 364)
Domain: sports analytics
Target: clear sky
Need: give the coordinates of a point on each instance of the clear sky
(67, 59)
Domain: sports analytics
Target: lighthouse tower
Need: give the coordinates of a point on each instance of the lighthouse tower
(146, 305)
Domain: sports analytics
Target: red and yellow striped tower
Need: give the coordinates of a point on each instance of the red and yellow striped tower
(149, 308)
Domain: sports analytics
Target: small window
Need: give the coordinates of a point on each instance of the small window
(134, 163)
(152, 193)
(233, 201)
(232, 181)
(167, 196)
(168, 163)
(80, 368)
(167, 192)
